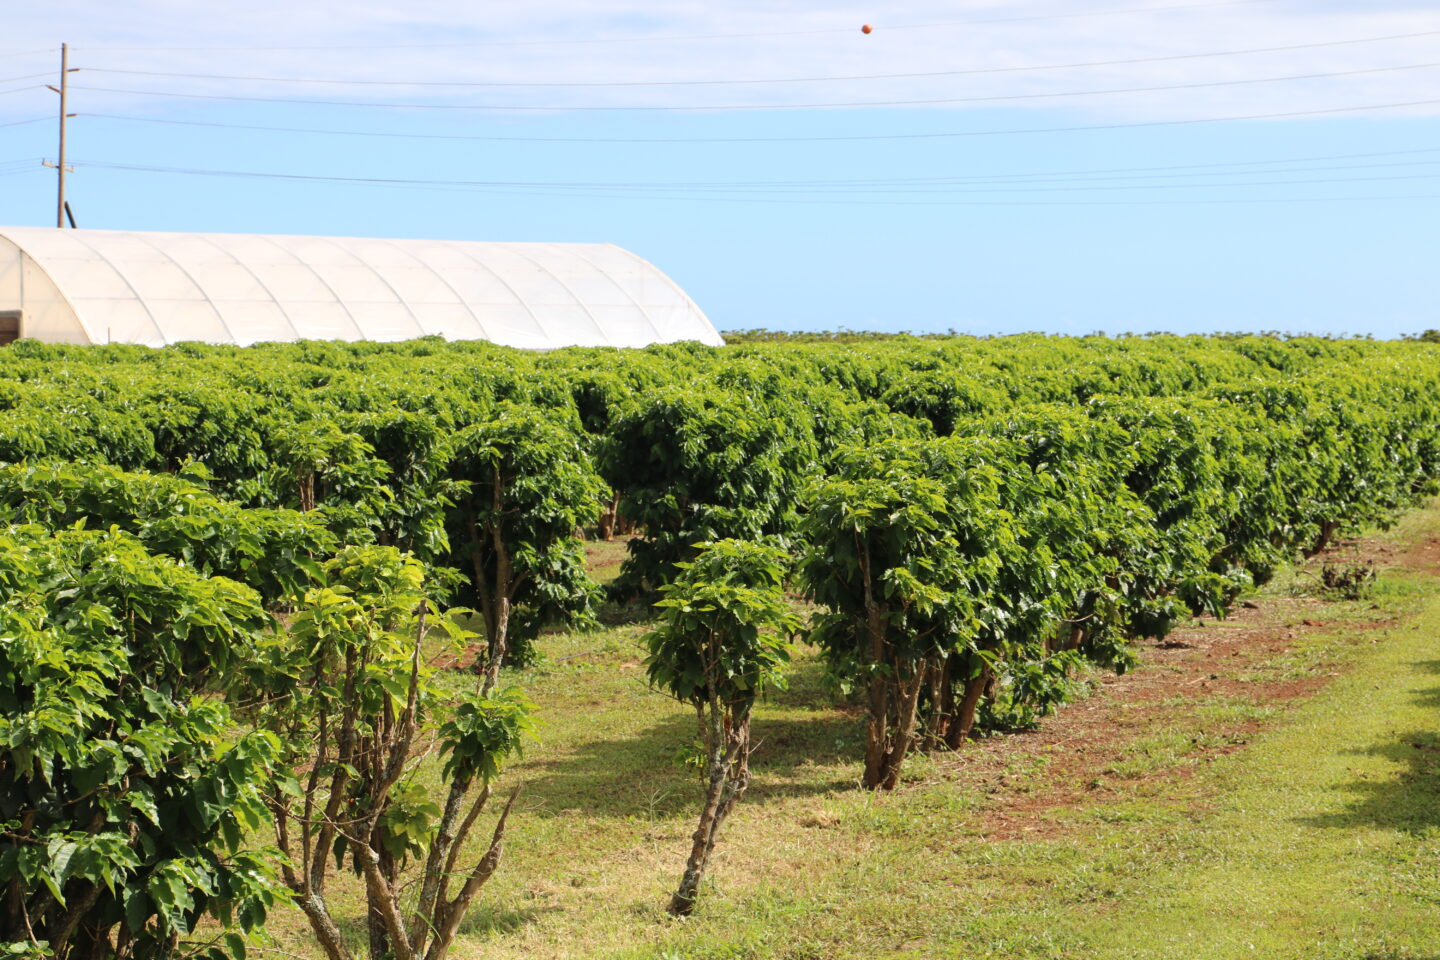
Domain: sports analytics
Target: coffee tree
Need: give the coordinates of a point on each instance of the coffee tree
(125, 798)
(699, 465)
(349, 692)
(524, 486)
(903, 564)
(722, 638)
(272, 551)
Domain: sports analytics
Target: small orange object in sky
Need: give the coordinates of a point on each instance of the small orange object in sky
(866, 29)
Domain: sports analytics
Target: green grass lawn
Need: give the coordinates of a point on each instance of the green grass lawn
(1223, 824)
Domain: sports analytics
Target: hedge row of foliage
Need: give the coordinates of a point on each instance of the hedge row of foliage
(262, 536)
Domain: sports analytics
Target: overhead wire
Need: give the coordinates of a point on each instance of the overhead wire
(1031, 18)
(712, 36)
(1066, 176)
(26, 165)
(832, 138)
(688, 108)
(1131, 61)
(847, 200)
(1203, 169)
(988, 179)
(1196, 170)
(501, 184)
(964, 184)
(1170, 172)
(1020, 203)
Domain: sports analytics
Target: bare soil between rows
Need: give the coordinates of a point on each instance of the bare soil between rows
(1236, 663)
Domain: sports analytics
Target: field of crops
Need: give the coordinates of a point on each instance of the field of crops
(234, 678)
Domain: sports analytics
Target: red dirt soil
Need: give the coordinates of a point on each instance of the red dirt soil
(1220, 662)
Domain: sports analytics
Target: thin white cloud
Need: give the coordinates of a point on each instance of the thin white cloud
(563, 41)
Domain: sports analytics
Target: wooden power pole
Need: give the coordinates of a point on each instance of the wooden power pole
(60, 168)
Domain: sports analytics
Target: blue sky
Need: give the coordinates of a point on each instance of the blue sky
(891, 216)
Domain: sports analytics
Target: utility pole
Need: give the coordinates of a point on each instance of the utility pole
(61, 208)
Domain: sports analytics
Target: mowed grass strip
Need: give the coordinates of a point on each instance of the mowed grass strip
(1325, 842)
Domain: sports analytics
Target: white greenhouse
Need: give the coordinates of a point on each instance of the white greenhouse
(110, 286)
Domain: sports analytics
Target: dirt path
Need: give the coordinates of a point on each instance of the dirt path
(1210, 686)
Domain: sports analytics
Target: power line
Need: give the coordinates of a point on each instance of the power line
(1091, 174)
(898, 203)
(28, 76)
(371, 104)
(28, 165)
(973, 180)
(1201, 168)
(1039, 174)
(700, 83)
(1076, 15)
(713, 36)
(1029, 203)
(1015, 203)
(507, 185)
(838, 138)
(33, 86)
(918, 184)
(18, 123)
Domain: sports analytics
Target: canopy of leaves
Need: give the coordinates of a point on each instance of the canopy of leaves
(696, 466)
(126, 798)
(724, 624)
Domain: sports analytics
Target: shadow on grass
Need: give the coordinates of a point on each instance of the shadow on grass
(635, 775)
(1408, 803)
(1431, 697)
(624, 613)
(490, 919)
(644, 775)
(483, 919)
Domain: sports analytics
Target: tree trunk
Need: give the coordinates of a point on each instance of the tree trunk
(877, 736)
(326, 932)
(483, 598)
(448, 915)
(504, 585)
(305, 489)
(942, 704)
(1327, 532)
(93, 943)
(906, 707)
(435, 860)
(683, 902)
(607, 517)
(375, 918)
(964, 721)
(728, 776)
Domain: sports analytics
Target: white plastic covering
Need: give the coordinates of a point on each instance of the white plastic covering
(105, 286)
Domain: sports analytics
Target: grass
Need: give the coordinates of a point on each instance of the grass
(1228, 826)
(1327, 840)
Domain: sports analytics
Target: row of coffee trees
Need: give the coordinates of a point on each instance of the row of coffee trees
(227, 579)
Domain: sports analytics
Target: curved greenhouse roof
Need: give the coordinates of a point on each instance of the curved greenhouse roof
(109, 286)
